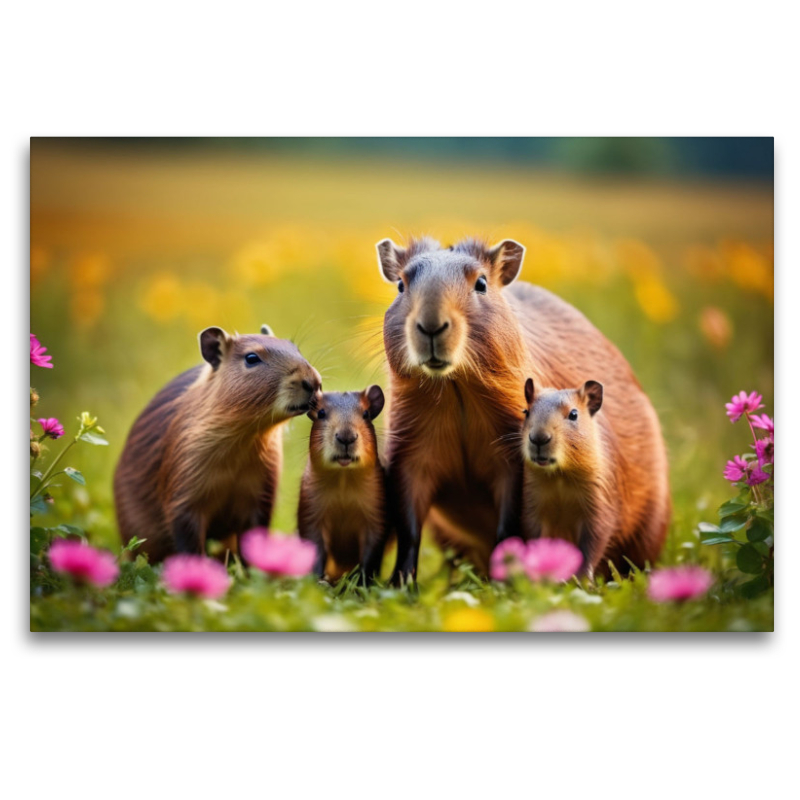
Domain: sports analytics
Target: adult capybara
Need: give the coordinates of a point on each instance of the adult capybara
(461, 339)
(342, 506)
(203, 459)
(569, 487)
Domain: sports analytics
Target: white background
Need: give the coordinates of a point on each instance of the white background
(396, 716)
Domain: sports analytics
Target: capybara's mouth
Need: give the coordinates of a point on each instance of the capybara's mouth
(544, 462)
(345, 461)
(436, 364)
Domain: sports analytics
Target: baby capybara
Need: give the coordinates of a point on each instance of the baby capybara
(203, 459)
(342, 494)
(570, 486)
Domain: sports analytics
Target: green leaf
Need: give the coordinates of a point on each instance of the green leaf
(731, 524)
(70, 472)
(39, 538)
(759, 530)
(718, 540)
(731, 507)
(754, 587)
(749, 560)
(92, 438)
(768, 515)
(38, 505)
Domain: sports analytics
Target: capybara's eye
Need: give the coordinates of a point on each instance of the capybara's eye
(526, 411)
(401, 286)
(480, 285)
(573, 415)
(366, 415)
(251, 359)
(321, 414)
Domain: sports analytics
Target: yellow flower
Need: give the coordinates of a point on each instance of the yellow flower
(162, 299)
(468, 620)
(655, 299)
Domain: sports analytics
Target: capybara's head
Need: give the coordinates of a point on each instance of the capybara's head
(449, 314)
(342, 434)
(259, 378)
(559, 432)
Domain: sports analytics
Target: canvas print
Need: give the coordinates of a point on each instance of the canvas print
(391, 385)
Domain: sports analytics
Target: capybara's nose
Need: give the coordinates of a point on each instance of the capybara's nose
(346, 437)
(432, 329)
(313, 382)
(540, 439)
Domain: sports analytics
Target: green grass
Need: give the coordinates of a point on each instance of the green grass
(104, 259)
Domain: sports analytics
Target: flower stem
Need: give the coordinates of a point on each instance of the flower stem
(49, 473)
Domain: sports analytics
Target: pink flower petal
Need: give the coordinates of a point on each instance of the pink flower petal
(82, 562)
(508, 559)
(195, 575)
(278, 555)
(552, 559)
(679, 583)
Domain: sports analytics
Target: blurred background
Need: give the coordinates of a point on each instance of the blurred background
(137, 245)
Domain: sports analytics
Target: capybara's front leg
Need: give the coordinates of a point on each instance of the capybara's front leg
(189, 532)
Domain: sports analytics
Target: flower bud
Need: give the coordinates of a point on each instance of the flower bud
(36, 449)
(34, 397)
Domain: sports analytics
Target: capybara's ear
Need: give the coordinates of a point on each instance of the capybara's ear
(506, 258)
(391, 259)
(375, 399)
(266, 330)
(529, 391)
(593, 392)
(214, 343)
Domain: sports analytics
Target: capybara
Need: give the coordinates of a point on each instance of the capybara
(461, 338)
(342, 505)
(203, 459)
(570, 488)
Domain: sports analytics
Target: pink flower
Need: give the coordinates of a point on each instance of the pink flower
(765, 451)
(764, 422)
(553, 559)
(743, 403)
(508, 559)
(83, 563)
(756, 475)
(278, 555)
(735, 470)
(38, 356)
(52, 427)
(195, 575)
(678, 583)
(560, 622)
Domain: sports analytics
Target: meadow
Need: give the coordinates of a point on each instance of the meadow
(134, 251)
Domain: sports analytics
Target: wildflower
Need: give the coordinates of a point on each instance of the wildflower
(468, 620)
(87, 421)
(735, 470)
(756, 475)
(553, 559)
(195, 575)
(507, 559)
(765, 451)
(743, 403)
(763, 422)
(83, 563)
(560, 622)
(51, 427)
(679, 583)
(278, 555)
(38, 356)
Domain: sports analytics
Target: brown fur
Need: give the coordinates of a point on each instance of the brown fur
(342, 509)
(203, 459)
(570, 488)
(454, 432)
